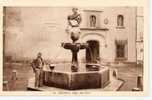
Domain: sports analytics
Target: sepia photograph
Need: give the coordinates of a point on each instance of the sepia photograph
(88, 49)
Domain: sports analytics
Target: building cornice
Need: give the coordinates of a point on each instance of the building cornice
(95, 29)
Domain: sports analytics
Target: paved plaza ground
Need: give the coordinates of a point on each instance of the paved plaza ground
(127, 72)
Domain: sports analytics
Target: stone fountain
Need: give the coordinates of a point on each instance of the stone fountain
(75, 79)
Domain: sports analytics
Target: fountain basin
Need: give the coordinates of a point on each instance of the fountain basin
(77, 80)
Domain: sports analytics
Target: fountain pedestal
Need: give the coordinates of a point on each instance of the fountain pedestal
(77, 80)
(74, 47)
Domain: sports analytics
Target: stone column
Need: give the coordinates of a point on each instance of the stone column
(75, 65)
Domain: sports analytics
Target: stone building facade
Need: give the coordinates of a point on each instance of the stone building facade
(111, 33)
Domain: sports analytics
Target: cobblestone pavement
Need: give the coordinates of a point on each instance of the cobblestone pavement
(128, 73)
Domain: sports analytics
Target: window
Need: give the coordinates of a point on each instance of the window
(121, 49)
(92, 21)
(120, 20)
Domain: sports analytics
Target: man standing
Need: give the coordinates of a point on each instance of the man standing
(37, 66)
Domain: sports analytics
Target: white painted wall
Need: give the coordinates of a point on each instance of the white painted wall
(43, 29)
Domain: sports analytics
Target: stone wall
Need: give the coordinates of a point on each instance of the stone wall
(30, 30)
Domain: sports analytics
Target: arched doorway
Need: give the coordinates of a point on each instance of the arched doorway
(93, 52)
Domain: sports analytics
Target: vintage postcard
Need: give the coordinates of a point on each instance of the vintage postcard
(74, 48)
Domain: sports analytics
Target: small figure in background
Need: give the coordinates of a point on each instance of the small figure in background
(37, 66)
